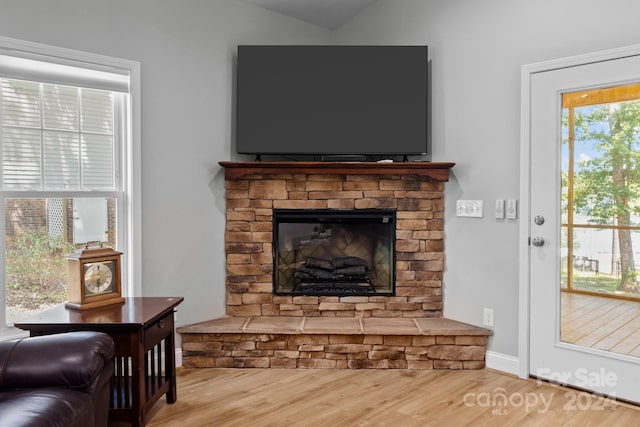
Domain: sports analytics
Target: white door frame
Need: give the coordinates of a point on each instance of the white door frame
(527, 72)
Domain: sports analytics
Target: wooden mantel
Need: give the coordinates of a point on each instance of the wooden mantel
(438, 171)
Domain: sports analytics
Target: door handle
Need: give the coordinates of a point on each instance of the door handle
(537, 241)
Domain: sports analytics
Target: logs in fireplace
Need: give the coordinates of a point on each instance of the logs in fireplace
(342, 275)
(334, 252)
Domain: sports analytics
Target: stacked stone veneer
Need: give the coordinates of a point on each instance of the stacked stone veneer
(419, 242)
(333, 351)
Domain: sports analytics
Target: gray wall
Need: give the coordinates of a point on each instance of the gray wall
(186, 49)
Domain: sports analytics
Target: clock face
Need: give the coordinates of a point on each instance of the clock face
(99, 277)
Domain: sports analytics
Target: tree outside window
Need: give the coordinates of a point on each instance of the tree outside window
(601, 190)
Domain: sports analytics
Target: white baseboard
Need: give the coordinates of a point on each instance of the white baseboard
(178, 357)
(502, 362)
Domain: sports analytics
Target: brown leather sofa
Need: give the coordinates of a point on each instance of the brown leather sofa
(56, 380)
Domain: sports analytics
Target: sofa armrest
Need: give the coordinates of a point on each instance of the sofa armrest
(72, 359)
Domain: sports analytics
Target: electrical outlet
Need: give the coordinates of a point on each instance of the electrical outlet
(487, 318)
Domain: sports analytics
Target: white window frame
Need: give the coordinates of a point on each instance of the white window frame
(129, 175)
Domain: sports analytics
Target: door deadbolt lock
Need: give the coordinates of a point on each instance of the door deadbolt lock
(537, 241)
(539, 219)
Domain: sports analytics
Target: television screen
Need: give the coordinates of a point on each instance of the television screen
(332, 100)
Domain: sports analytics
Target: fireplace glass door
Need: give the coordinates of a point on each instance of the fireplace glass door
(334, 252)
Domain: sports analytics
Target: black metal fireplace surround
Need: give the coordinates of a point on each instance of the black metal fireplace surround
(334, 252)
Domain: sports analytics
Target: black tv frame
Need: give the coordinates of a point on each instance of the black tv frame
(318, 150)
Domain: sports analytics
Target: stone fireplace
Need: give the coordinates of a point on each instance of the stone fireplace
(334, 266)
(415, 196)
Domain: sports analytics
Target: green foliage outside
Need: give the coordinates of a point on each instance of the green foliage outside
(36, 270)
(607, 187)
(585, 281)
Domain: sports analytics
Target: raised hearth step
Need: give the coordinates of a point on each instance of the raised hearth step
(334, 343)
(334, 325)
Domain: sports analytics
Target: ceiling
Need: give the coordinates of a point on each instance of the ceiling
(329, 14)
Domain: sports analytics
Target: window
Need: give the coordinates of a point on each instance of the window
(601, 191)
(68, 163)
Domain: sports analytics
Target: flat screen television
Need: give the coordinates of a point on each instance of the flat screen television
(332, 100)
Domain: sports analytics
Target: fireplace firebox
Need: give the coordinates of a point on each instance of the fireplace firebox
(334, 252)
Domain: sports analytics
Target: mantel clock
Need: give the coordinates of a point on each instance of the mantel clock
(94, 278)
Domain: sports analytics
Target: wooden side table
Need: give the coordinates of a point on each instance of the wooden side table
(143, 332)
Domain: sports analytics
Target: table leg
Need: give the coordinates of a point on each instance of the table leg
(139, 383)
(170, 368)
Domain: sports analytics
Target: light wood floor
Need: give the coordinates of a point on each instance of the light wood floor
(602, 323)
(402, 398)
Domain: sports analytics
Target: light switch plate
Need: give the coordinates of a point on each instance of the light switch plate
(512, 209)
(469, 208)
(499, 210)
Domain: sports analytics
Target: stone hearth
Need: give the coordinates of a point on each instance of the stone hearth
(335, 343)
(405, 330)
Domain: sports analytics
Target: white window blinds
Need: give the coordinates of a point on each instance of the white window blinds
(56, 137)
(57, 118)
